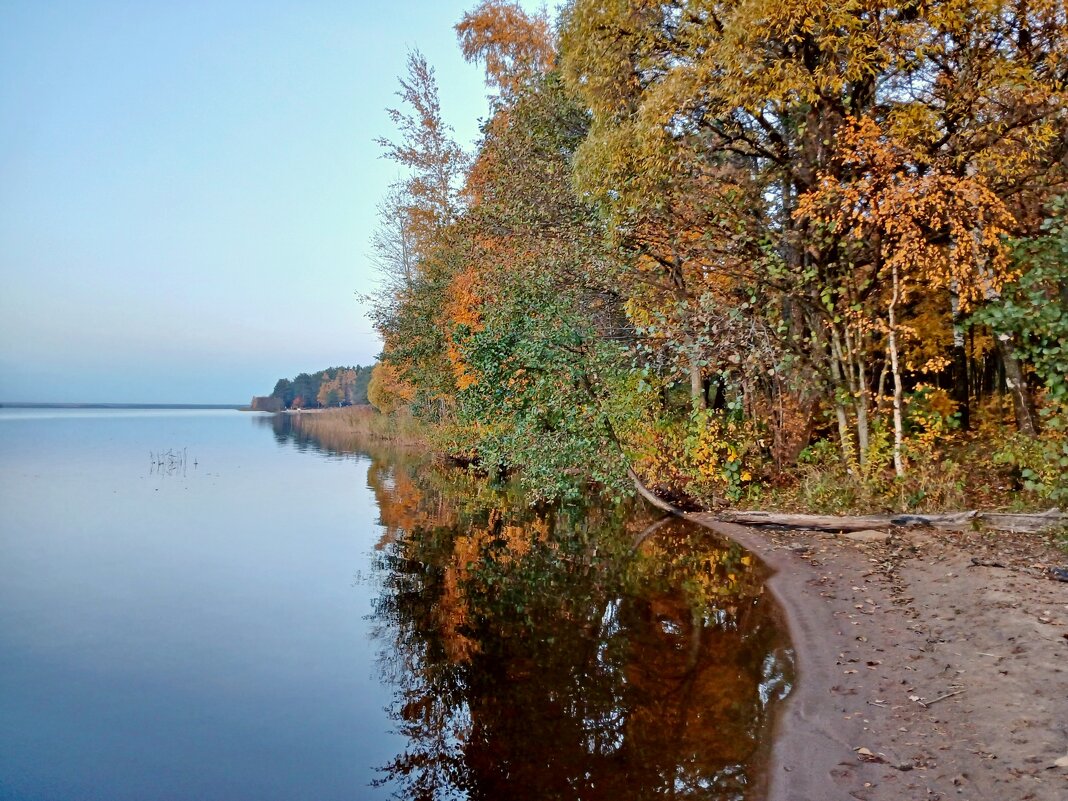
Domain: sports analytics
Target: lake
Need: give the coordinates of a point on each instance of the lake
(213, 605)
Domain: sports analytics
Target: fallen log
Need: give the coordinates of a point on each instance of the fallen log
(1051, 518)
(652, 497)
(759, 519)
(1026, 523)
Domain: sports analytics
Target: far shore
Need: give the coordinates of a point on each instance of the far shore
(314, 410)
(292, 411)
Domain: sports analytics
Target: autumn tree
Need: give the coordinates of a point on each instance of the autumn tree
(508, 324)
(756, 94)
(426, 149)
(414, 218)
(1033, 310)
(388, 391)
(515, 47)
(537, 331)
(915, 229)
(696, 235)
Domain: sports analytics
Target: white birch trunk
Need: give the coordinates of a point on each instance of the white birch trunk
(899, 426)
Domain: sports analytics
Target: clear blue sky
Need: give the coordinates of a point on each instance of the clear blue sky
(188, 188)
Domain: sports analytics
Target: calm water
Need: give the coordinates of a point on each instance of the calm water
(209, 605)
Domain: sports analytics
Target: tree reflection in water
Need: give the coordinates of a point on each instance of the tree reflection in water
(536, 654)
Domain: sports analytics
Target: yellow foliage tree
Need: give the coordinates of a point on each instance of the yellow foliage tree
(388, 390)
(920, 228)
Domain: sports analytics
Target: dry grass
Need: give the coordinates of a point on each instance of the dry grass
(349, 428)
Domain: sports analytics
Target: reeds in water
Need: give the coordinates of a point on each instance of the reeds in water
(169, 462)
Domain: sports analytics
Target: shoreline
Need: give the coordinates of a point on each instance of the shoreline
(900, 646)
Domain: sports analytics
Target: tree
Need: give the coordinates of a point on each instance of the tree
(306, 388)
(1033, 311)
(387, 391)
(283, 390)
(538, 336)
(332, 389)
(919, 229)
(426, 149)
(756, 94)
(516, 47)
(720, 230)
(329, 387)
(393, 242)
(426, 203)
(1034, 307)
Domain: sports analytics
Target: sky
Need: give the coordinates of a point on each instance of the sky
(188, 189)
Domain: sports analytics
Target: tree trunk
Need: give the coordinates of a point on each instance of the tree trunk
(961, 396)
(844, 438)
(1022, 403)
(858, 388)
(1044, 521)
(843, 370)
(899, 426)
(712, 391)
(697, 384)
(651, 496)
(863, 401)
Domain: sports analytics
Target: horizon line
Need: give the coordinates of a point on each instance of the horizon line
(118, 405)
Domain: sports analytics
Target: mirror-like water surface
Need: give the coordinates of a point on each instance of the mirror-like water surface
(211, 605)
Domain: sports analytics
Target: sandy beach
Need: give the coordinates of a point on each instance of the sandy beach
(931, 665)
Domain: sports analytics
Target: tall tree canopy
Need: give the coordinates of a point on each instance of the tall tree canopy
(697, 236)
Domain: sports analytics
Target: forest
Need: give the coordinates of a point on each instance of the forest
(749, 252)
(335, 386)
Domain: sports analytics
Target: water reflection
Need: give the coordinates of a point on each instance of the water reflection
(287, 431)
(541, 653)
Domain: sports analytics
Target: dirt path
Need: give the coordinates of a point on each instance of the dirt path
(921, 674)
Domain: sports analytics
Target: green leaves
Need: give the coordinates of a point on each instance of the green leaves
(1034, 309)
(735, 206)
(1034, 312)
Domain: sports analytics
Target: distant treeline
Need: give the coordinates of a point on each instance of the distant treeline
(335, 386)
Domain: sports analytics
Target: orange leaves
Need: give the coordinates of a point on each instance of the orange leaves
(939, 229)
(462, 309)
(465, 299)
(514, 45)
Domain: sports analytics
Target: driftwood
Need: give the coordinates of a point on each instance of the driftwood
(652, 497)
(956, 521)
(1028, 523)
